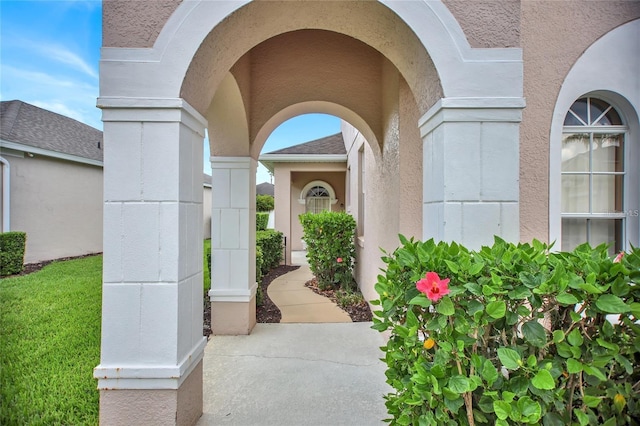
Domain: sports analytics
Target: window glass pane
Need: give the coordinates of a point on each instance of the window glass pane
(575, 193)
(597, 107)
(611, 118)
(574, 233)
(606, 231)
(575, 152)
(579, 107)
(608, 153)
(607, 194)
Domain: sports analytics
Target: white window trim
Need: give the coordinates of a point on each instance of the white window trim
(307, 187)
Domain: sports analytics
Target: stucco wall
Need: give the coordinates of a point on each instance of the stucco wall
(58, 204)
(488, 23)
(371, 22)
(298, 182)
(289, 180)
(554, 35)
(127, 23)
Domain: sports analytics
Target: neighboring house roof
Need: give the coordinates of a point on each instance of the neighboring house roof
(333, 144)
(265, 188)
(25, 124)
(328, 149)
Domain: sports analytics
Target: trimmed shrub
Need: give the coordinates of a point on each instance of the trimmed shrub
(330, 239)
(12, 247)
(510, 334)
(262, 220)
(271, 244)
(264, 203)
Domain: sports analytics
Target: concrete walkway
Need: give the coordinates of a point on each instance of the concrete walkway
(299, 304)
(296, 374)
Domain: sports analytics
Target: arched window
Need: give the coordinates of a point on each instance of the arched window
(317, 196)
(594, 170)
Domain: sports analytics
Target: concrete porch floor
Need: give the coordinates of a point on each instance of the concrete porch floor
(296, 374)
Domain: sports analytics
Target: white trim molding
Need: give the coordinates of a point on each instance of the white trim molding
(594, 75)
(149, 377)
(6, 195)
(48, 153)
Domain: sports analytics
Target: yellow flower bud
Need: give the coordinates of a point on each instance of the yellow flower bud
(429, 343)
(619, 402)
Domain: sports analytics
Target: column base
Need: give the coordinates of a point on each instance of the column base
(154, 407)
(233, 318)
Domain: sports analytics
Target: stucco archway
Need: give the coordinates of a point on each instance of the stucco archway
(159, 93)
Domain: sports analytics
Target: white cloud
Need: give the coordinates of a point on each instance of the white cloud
(65, 56)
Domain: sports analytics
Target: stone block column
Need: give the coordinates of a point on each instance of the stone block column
(150, 370)
(233, 245)
(471, 170)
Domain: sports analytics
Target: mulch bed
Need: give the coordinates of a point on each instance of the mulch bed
(358, 313)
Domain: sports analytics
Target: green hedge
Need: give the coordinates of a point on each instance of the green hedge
(510, 334)
(264, 203)
(262, 220)
(330, 239)
(271, 244)
(259, 262)
(12, 247)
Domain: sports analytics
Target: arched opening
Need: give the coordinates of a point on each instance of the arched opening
(236, 69)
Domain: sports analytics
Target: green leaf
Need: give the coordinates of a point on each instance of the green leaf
(543, 380)
(575, 338)
(459, 384)
(489, 372)
(608, 345)
(591, 401)
(566, 299)
(594, 371)
(509, 358)
(530, 409)
(420, 300)
(635, 309)
(502, 409)
(612, 304)
(496, 309)
(476, 268)
(558, 336)
(534, 333)
(445, 307)
(574, 366)
(582, 417)
(453, 267)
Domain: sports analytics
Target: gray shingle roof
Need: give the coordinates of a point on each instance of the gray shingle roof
(27, 124)
(333, 144)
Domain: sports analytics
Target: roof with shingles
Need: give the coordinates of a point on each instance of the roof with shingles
(30, 125)
(333, 144)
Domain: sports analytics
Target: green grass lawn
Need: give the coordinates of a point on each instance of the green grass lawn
(50, 343)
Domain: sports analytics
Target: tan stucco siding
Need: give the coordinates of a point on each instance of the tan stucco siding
(554, 35)
(371, 22)
(127, 23)
(58, 204)
(488, 23)
(298, 182)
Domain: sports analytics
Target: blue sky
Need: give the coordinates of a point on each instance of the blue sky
(49, 54)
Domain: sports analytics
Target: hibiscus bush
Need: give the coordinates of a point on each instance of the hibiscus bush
(510, 334)
(330, 239)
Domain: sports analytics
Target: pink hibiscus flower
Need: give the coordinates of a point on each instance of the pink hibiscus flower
(618, 258)
(433, 287)
(339, 260)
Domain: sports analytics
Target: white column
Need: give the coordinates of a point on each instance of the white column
(233, 245)
(471, 170)
(152, 309)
